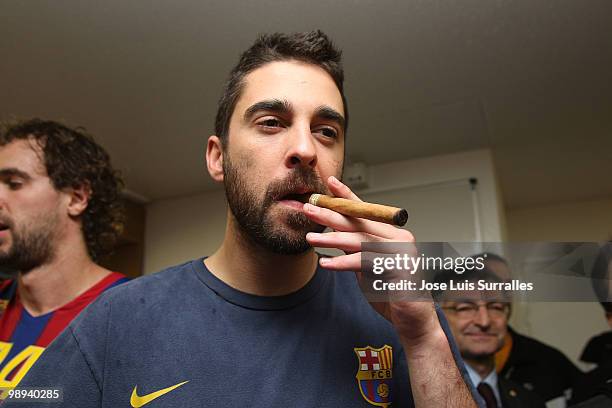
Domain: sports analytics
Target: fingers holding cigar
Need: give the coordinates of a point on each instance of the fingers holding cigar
(359, 209)
(361, 217)
(339, 189)
(349, 232)
(339, 222)
(347, 203)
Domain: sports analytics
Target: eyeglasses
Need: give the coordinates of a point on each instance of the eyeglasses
(468, 310)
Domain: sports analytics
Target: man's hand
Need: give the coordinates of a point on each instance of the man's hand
(414, 321)
(435, 378)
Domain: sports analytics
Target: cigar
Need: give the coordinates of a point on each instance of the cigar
(360, 209)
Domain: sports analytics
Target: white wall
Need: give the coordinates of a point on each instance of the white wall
(184, 228)
(443, 169)
(578, 221)
(565, 325)
(188, 227)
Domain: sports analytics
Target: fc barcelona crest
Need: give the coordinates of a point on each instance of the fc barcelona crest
(374, 374)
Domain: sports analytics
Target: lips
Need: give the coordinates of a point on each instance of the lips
(300, 195)
(482, 336)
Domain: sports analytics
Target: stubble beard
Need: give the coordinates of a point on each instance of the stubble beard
(32, 245)
(285, 236)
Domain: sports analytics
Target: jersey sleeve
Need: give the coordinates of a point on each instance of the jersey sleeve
(74, 361)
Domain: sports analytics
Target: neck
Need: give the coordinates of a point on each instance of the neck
(250, 268)
(60, 280)
(483, 366)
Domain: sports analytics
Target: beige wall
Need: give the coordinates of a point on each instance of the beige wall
(565, 325)
(580, 221)
(183, 228)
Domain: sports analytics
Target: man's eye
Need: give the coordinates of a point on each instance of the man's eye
(498, 307)
(327, 132)
(270, 123)
(463, 308)
(14, 185)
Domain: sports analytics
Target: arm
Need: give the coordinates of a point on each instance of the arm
(436, 380)
(435, 377)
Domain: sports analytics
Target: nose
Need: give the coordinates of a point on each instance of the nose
(301, 151)
(482, 317)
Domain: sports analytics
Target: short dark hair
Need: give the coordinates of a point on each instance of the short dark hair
(72, 159)
(600, 273)
(312, 47)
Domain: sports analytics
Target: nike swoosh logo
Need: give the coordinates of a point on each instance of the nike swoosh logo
(138, 402)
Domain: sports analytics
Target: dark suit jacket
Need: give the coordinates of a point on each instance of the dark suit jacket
(596, 382)
(599, 349)
(598, 401)
(514, 395)
(539, 367)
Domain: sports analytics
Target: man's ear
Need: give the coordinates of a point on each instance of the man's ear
(78, 199)
(214, 158)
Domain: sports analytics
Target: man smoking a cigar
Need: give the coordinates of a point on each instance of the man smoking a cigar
(263, 321)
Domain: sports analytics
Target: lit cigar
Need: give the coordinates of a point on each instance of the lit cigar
(360, 209)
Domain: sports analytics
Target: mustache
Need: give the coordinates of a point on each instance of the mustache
(299, 179)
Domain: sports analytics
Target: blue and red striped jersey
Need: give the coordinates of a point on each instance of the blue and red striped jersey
(23, 337)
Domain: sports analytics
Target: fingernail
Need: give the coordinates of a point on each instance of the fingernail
(324, 261)
(311, 208)
(334, 181)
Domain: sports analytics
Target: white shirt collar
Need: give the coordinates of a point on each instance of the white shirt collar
(490, 379)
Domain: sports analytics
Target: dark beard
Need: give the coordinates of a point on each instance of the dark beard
(253, 215)
(30, 248)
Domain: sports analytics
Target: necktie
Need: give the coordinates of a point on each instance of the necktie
(487, 393)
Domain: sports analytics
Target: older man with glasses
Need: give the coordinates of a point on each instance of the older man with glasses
(479, 323)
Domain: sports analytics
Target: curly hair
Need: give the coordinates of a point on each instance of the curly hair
(313, 47)
(73, 159)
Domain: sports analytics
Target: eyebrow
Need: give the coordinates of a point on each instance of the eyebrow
(325, 112)
(271, 105)
(285, 107)
(11, 171)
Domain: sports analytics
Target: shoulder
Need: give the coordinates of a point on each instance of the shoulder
(7, 290)
(155, 284)
(597, 347)
(595, 381)
(4, 287)
(132, 297)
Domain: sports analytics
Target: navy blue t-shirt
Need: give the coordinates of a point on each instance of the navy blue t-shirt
(183, 338)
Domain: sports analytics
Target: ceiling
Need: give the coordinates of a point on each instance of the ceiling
(532, 80)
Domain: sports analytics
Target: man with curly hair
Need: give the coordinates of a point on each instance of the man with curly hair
(60, 211)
